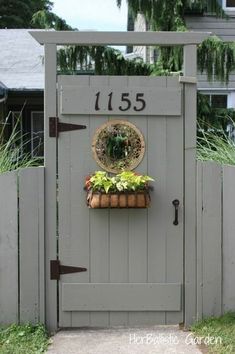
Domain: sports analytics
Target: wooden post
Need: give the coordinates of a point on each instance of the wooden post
(50, 104)
(190, 113)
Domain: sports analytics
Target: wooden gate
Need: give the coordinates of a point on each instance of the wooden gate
(141, 268)
(134, 258)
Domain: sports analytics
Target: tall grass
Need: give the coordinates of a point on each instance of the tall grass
(216, 146)
(220, 329)
(12, 156)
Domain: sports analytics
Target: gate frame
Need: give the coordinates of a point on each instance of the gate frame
(189, 41)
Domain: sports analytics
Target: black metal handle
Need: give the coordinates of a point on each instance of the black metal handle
(176, 204)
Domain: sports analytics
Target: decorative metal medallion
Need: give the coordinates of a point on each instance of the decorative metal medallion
(118, 145)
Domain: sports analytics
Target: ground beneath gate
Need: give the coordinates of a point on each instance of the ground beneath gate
(119, 340)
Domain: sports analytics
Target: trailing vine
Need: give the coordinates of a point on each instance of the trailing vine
(217, 58)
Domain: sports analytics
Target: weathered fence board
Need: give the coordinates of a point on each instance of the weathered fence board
(31, 245)
(8, 248)
(209, 238)
(229, 238)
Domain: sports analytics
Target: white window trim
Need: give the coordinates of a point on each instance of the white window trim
(230, 94)
(227, 8)
(32, 136)
(217, 92)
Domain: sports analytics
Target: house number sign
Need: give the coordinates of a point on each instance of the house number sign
(126, 103)
(120, 101)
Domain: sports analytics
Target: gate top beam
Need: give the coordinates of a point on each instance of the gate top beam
(119, 38)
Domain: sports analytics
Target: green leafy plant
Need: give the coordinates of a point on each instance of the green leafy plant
(128, 180)
(100, 181)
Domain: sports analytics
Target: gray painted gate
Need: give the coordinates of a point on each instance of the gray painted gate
(141, 268)
(134, 258)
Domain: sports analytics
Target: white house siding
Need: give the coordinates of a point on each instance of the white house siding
(225, 29)
(140, 25)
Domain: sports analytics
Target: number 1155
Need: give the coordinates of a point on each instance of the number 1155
(126, 103)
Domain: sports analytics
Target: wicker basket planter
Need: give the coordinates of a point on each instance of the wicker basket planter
(139, 199)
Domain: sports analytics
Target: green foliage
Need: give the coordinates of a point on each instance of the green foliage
(11, 155)
(101, 181)
(217, 58)
(124, 181)
(222, 327)
(100, 60)
(214, 56)
(24, 339)
(128, 180)
(215, 146)
(210, 118)
(168, 15)
(19, 13)
(47, 19)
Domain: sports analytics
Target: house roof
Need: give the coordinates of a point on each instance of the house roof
(21, 60)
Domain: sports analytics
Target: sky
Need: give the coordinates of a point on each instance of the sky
(100, 15)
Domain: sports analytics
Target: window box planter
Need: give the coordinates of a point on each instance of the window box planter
(124, 190)
(127, 199)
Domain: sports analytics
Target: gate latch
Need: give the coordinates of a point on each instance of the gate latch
(57, 269)
(55, 127)
(176, 204)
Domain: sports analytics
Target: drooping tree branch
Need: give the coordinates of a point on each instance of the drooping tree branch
(215, 57)
(100, 61)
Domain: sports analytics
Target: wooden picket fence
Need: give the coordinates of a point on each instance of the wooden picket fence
(22, 251)
(22, 246)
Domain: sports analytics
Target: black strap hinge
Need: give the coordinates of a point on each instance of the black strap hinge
(56, 127)
(56, 269)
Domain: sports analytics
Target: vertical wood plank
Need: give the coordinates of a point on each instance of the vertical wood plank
(31, 244)
(8, 249)
(190, 99)
(156, 214)
(199, 240)
(50, 104)
(78, 241)
(119, 251)
(228, 238)
(211, 240)
(99, 223)
(41, 238)
(138, 235)
(119, 236)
